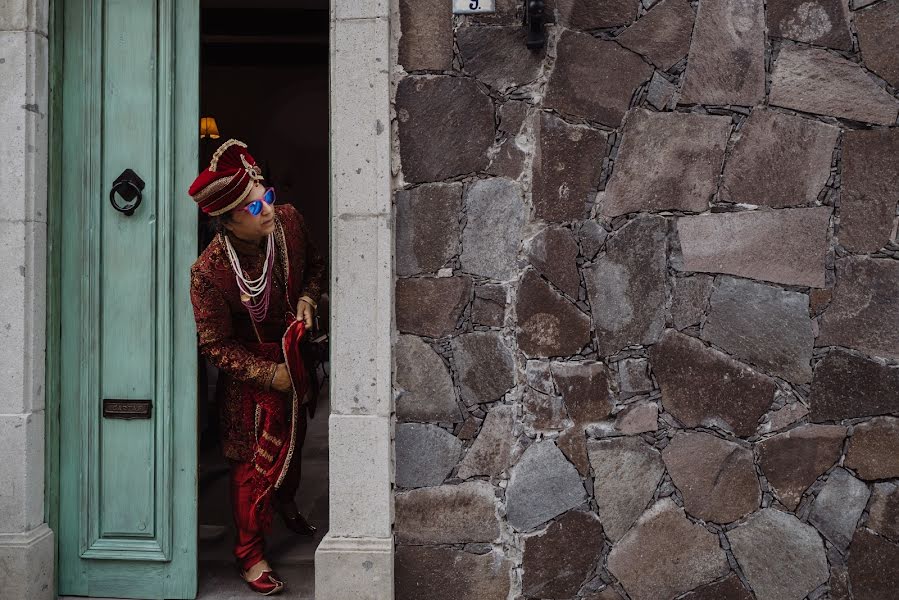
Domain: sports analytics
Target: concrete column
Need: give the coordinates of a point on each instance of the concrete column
(26, 543)
(355, 560)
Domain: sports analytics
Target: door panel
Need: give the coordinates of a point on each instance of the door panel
(127, 523)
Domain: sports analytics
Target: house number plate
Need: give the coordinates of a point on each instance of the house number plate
(473, 7)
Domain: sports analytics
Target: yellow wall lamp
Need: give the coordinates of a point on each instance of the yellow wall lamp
(209, 128)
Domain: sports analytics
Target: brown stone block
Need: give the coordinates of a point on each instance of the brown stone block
(729, 588)
(427, 227)
(703, 387)
(594, 79)
(640, 417)
(793, 460)
(727, 55)
(740, 243)
(548, 324)
(815, 81)
(716, 477)
(491, 452)
(868, 195)
(584, 387)
(873, 567)
(489, 307)
(498, 56)
(431, 306)
(539, 376)
(447, 514)
(484, 366)
(633, 376)
(608, 593)
(779, 160)
(864, 312)
(818, 22)
(542, 411)
(666, 554)
(884, 510)
(567, 167)
(874, 449)
(689, 300)
(593, 14)
(449, 574)
(847, 386)
(557, 562)
(667, 161)
(663, 34)
(839, 583)
(427, 40)
(446, 125)
(573, 444)
(877, 39)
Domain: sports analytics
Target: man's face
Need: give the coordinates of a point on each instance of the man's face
(249, 227)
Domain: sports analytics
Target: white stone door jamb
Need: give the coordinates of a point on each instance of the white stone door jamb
(26, 541)
(355, 559)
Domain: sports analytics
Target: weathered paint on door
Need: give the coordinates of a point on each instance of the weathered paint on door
(127, 488)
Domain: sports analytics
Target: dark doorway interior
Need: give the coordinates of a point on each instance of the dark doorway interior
(264, 79)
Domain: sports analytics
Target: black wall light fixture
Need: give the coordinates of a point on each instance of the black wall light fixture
(533, 19)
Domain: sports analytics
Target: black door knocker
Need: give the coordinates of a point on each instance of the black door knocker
(129, 186)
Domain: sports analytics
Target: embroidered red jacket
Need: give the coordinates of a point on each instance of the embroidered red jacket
(224, 326)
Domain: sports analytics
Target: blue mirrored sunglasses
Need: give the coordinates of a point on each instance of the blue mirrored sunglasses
(255, 207)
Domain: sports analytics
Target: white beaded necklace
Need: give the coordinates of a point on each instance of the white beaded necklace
(251, 288)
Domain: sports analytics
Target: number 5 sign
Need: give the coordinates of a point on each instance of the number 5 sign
(470, 7)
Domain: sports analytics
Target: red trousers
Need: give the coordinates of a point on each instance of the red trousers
(249, 547)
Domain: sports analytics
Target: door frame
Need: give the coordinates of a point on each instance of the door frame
(356, 557)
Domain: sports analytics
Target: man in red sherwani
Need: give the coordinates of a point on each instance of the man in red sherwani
(254, 291)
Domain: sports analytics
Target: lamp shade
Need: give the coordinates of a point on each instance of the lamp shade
(209, 128)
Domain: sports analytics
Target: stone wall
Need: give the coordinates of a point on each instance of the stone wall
(647, 301)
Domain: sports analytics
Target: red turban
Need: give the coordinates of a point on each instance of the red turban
(229, 178)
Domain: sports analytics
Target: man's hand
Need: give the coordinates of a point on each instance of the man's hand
(281, 380)
(305, 312)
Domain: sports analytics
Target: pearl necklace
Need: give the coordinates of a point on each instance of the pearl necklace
(251, 289)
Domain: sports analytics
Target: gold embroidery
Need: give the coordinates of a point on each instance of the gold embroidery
(277, 442)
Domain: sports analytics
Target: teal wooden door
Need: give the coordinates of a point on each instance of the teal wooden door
(127, 486)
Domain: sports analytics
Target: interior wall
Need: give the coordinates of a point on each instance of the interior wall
(281, 112)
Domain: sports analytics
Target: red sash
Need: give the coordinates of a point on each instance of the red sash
(275, 420)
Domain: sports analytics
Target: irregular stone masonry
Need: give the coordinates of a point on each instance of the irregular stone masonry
(648, 301)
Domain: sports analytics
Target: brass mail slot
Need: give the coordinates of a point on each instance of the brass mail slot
(127, 409)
